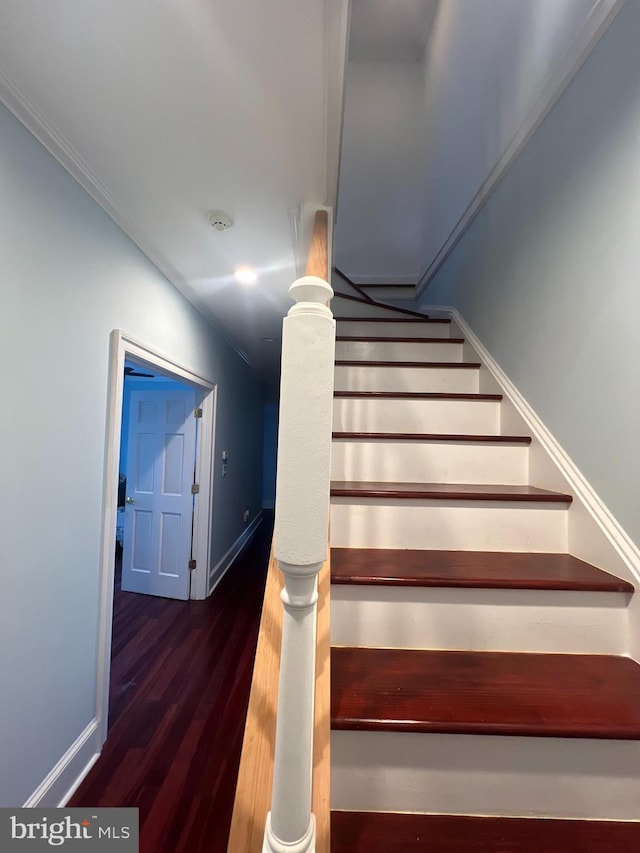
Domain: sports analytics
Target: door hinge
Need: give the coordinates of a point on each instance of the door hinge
(192, 565)
(195, 489)
(197, 413)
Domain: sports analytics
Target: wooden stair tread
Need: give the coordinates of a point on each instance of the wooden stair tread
(403, 340)
(380, 832)
(470, 569)
(485, 693)
(419, 395)
(425, 319)
(445, 365)
(445, 491)
(432, 436)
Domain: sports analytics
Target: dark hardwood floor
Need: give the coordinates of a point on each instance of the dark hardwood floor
(181, 674)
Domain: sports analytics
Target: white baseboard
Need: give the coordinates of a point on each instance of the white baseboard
(268, 504)
(625, 550)
(218, 571)
(61, 782)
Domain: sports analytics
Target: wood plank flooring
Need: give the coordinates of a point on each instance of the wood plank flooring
(181, 676)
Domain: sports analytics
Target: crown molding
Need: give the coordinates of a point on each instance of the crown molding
(28, 114)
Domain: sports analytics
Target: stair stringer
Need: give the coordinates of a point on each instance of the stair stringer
(594, 534)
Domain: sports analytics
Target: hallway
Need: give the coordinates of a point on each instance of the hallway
(181, 674)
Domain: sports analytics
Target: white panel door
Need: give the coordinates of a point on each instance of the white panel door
(159, 503)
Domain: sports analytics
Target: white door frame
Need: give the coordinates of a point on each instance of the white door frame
(123, 346)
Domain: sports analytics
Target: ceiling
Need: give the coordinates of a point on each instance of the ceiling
(164, 111)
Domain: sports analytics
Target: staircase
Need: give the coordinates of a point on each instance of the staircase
(480, 699)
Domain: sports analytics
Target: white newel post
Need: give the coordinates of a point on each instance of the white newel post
(300, 547)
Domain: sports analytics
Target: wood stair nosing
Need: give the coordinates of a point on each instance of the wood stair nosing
(425, 319)
(439, 365)
(419, 395)
(382, 832)
(471, 570)
(398, 340)
(485, 693)
(446, 491)
(427, 437)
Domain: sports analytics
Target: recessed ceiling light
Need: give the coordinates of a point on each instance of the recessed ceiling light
(245, 275)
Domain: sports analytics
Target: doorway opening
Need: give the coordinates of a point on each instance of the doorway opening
(157, 488)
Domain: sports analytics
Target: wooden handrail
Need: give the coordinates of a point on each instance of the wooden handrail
(255, 779)
(253, 791)
(318, 257)
(322, 726)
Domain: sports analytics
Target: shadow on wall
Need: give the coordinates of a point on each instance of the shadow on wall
(269, 455)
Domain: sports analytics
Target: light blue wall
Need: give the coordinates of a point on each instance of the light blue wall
(379, 201)
(486, 64)
(269, 454)
(548, 275)
(68, 277)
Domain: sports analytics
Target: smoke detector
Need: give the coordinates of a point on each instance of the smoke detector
(219, 220)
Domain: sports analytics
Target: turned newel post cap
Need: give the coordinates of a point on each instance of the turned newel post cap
(310, 288)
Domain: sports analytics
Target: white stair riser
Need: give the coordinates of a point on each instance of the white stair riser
(350, 308)
(420, 379)
(397, 351)
(484, 775)
(478, 619)
(370, 414)
(394, 330)
(448, 525)
(429, 462)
